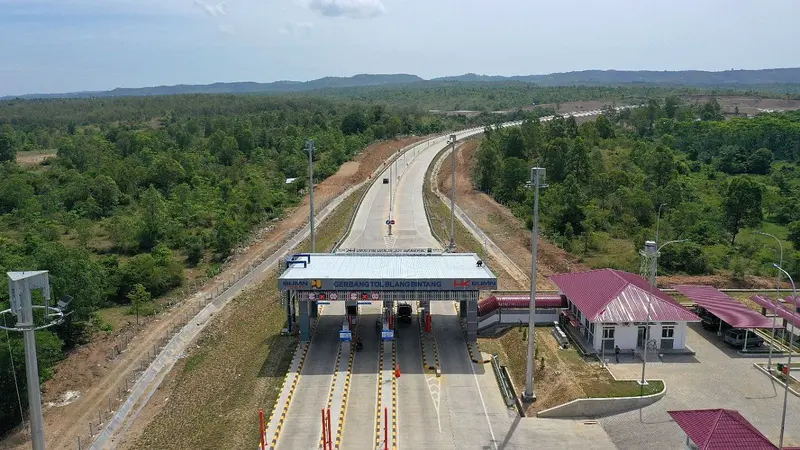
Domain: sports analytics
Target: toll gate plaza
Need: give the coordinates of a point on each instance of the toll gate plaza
(390, 278)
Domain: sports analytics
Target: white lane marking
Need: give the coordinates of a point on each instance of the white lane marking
(483, 404)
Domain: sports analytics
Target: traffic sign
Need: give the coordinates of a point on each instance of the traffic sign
(387, 335)
(376, 296)
(322, 296)
(388, 222)
(353, 296)
(392, 221)
(364, 296)
(312, 296)
(334, 296)
(364, 303)
(345, 335)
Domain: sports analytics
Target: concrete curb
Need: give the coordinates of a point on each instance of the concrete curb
(303, 347)
(378, 409)
(343, 409)
(330, 390)
(472, 347)
(394, 397)
(776, 379)
(598, 407)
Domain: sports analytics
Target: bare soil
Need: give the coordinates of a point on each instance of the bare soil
(747, 105)
(34, 158)
(97, 370)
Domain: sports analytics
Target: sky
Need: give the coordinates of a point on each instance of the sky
(49, 46)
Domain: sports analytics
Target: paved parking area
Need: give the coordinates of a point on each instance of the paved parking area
(717, 377)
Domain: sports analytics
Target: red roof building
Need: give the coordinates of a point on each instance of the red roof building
(720, 429)
(611, 309)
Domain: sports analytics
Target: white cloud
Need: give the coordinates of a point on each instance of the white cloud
(356, 9)
(212, 9)
(294, 27)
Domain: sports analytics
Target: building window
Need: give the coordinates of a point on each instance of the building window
(608, 332)
(668, 331)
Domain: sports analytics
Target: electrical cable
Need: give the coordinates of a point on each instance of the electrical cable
(14, 372)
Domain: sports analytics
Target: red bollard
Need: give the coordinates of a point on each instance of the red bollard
(391, 321)
(263, 431)
(330, 440)
(428, 323)
(397, 371)
(385, 428)
(324, 432)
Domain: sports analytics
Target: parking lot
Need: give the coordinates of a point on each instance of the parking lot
(716, 377)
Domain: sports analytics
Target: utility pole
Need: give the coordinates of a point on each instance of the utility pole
(777, 296)
(789, 361)
(310, 150)
(391, 198)
(453, 196)
(537, 179)
(20, 285)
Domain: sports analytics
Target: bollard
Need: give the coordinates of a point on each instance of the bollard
(79, 443)
(385, 428)
(91, 431)
(100, 416)
(397, 371)
(330, 441)
(109, 405)
(261, 422)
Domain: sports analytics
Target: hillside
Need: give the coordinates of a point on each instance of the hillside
(688, 78)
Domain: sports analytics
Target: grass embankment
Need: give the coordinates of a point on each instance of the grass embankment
(236, 367)
(565, 375)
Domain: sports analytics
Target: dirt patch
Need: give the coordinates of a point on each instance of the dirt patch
(98, 369)
(34, 158)
(718, 281)
(746, 105)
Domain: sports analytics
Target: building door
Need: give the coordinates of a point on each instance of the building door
(668, 337)
(641, 337)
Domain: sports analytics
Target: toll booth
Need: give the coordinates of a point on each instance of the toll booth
(389, 278)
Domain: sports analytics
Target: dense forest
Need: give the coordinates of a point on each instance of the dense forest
(142, 189)
(717, 181)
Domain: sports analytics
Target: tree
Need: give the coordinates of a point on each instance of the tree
(760, 161)
(794, 234)
(195, 249)
(154, 217)
(711, 111)
(515, 174)
(741, 205)
(8, 151)
(353, 123)
(138, 295)
(671, 105)
(105, 192)
(487, 166)
(604, 128)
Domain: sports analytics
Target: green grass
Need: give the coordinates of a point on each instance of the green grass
(625, 389)
(612, 252)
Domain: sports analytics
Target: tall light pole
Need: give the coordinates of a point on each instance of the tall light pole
(310, 150)
(391, 197)
(20, 285)
(789, 361)
(652, 251)
(777, 296)
(537, 180)
(453, 196)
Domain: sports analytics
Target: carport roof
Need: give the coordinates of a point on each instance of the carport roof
(720, 429)
(780, 310)
(725, 307)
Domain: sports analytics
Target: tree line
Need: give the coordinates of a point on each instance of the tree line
(608, 178)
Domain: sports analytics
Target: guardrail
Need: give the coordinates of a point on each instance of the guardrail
(508, 395)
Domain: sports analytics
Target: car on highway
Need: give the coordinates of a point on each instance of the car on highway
(404, 312)
(736, 337)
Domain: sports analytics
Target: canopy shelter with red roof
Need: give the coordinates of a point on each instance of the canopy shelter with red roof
(792, 318)
(612, 309)
(726, 308)
(720, 429)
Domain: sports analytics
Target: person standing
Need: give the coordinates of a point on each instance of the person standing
(616, 353)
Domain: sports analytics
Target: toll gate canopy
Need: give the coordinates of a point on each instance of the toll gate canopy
(388, 277)
(725, 307)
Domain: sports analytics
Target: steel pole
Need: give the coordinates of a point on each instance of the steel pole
(453, 196)
(775, 302)
(391, 198)
(529, 395)
(652, 283)
(789, 361)
(310, 149)
(32, 371)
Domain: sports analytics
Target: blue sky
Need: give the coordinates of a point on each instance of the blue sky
(72, 45)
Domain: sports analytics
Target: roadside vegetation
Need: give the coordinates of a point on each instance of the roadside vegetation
(719, 181)
(144, 195)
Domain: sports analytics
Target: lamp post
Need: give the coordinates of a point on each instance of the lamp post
(652, 250)
(777, 296)
(537, 179)
(453, 196)
(310, 150)
(789, 361)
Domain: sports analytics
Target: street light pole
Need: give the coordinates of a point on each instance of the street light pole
(652, 250)
(537, 177)
(310, 150)
(453, 196)
(789, 361)
(777, 296)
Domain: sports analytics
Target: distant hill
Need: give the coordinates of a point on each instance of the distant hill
(688, 78)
